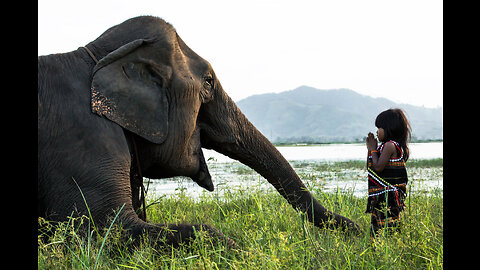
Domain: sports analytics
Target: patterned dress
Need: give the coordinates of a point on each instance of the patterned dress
(387, 191)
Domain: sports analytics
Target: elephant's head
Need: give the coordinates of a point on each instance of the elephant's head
(154, 87)
(157, 88)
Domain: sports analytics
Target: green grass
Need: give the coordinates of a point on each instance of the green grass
(270, 233)
(361, 164)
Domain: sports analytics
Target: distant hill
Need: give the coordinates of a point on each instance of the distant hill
(310, 115)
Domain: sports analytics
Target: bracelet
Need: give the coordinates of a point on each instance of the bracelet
(374, 151)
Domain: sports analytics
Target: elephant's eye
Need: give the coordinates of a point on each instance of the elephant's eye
(208, 82)
(207, 93)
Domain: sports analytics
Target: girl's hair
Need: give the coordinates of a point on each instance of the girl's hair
(396, 128)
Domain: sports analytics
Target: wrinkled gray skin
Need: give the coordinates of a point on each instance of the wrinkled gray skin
(150, 87)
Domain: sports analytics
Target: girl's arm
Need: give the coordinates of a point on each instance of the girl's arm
(380, 161)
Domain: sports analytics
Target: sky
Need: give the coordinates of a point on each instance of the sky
(390, 49)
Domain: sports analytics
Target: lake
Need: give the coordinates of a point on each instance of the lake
(228, 173)
(339, 152)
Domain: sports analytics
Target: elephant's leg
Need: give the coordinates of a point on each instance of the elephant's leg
(136, 182)
(174, 234)
(120, 192)
(104, 207)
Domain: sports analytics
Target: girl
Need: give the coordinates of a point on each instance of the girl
(387, 176)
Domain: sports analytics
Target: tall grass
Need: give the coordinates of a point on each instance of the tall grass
(361, 164)
(270, 233)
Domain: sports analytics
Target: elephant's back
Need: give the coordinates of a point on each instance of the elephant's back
(63, 95)
(57, 70)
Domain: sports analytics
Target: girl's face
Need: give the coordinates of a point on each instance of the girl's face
(380, 134)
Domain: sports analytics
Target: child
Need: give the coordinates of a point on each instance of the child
(387, 176)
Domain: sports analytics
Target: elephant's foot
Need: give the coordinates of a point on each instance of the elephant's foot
(173, 235)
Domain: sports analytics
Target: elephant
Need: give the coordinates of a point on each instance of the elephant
(138, 102)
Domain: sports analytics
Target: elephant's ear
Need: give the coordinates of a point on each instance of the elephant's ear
(127, 91)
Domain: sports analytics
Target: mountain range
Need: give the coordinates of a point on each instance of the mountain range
(310, 115)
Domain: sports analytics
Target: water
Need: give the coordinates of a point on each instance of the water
(339, 152)
(228, 173)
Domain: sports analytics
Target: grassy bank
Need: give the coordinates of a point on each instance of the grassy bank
(361, 164)
(271, 234)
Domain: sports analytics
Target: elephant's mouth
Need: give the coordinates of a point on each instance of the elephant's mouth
(203, 177)
(190, 163)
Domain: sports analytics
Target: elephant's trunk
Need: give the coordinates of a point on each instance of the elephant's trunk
(226, 130)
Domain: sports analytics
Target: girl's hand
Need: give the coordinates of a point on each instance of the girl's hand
(371, 142)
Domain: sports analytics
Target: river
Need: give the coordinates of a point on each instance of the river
(228, 173)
